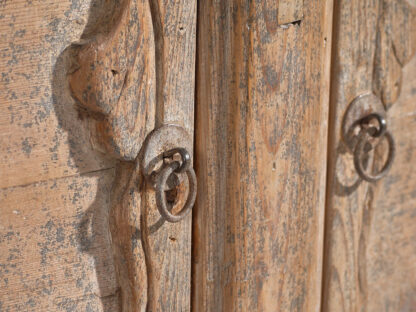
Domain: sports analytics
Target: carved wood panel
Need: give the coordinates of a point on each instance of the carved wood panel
(133, 73)
(370, 238)
(129, 65)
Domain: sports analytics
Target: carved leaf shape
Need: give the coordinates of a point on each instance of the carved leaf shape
(115, 79)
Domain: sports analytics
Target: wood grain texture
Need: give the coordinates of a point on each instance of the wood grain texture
(126, 238)
(370, 234)
(41, 135)
(261, 133)
(54, 246)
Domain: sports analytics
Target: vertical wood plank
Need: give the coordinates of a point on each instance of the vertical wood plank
(261, 133)
(137, 72)
(113, 82)
(168, 250)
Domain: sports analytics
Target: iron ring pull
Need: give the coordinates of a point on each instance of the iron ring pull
(161, 179)
(186, 158)
(359, 149)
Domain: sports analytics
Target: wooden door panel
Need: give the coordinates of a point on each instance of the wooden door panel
(261, 133)
(370, 262)
(83, 84)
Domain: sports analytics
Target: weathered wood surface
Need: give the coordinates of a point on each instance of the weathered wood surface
(289, 11)
(370, 249)
(113, 81)
(55, 252)
(113, 78)
(261, 133)
(54, 245)
(169, 248)
(47, 135)
(41, 135)
(135, 71)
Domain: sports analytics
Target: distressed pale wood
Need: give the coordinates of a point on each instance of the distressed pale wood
(261, 133)
(41, 135)
(370, 250)
(289, 11)
(113, 78)
(55, 252)
(108, 51)
(262, 114)
(54, 246)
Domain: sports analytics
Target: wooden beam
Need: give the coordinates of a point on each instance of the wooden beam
(261, 133)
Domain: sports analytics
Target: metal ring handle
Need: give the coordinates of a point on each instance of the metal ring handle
(359, 149)
(161, 203)
(382, 124)
(186, 158)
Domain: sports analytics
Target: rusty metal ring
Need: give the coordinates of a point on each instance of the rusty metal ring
(359, 150)
(161, 202)
(382, 124)
(186, 158)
